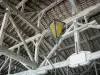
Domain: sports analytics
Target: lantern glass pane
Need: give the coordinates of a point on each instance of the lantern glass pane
(52, 28)
(59, 27)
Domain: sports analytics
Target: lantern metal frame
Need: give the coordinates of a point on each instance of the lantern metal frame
(54, 22)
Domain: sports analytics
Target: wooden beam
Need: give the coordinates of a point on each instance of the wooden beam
(21, 37)
(12, 37)
(81, 42)
(6, 61)
(10, 54)
(86, 12)
(13, 64)
(48, 8)
(3, 27)
(51, 6)
(21, 15)
(65, 63)
(20, 4)
(9, 68)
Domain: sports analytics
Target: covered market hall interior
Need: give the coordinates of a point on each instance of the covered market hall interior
(49, 37)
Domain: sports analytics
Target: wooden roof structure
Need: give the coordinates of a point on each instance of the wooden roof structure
(28, 14)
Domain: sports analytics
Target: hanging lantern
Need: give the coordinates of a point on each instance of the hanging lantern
(56, 28)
